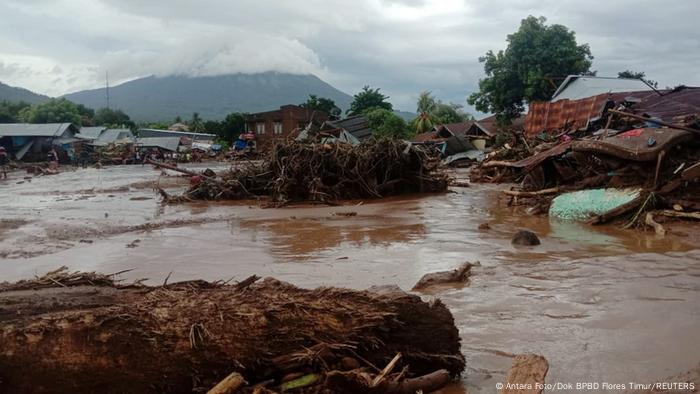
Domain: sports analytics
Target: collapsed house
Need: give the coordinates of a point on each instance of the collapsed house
(352, 130)
(465, 142)
(605, 156)
(31, 142)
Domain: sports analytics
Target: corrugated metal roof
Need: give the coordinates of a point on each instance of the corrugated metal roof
(36, 129)
(576, 87)
(111, 136)
(167, 143)
(357, 125)
(673, 106)
(149, 133)
(572, 114)
(90, 133)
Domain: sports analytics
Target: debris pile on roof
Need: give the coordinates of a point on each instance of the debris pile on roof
(298, 171)
(262, 337)
(646, 152)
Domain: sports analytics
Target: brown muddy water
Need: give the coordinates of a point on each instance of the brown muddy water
(601, 304)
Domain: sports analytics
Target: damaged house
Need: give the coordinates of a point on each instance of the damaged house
(352, 130)
(31, 142)
(282, 123)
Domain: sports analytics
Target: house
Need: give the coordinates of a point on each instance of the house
(478, 133)
(30, 141)
(114, 136)
(577, 87)
(90, 133)
(581, 100)
(170, 144)
(188, 137)
(285, 122)
(357, 126)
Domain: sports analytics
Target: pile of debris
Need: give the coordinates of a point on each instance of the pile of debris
(86, 334)
(114, 153)
(624, 164)
(298, 171)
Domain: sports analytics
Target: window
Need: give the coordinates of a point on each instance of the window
(278, 128)
(260, 128)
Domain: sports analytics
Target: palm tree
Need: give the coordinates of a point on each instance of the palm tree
(425, 106)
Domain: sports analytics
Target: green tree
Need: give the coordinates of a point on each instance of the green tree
(112, 118)
(232, 126)
(9, 111)
(445, 113)
(425, 106)
(629, 74)
(87, 115)
(52, 111)
(196, 123)
(368, 99)
(433, 112)
(536, 55)
(385, 123)
(322, 104)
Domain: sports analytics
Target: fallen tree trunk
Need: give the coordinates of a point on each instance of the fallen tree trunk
(185, 337)
(518, 193)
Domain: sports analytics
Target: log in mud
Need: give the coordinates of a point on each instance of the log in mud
(84, 333)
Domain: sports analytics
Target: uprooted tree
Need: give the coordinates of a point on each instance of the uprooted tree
(77, 332)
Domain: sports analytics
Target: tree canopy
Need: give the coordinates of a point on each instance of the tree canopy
(629, 74)
(536, 56)
(52, 111)
(322, 104)
(432, 111)
(9, 111)
(368, 99)
(385, 123)
(112, 118)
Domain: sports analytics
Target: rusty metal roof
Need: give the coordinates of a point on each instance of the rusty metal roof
(671, 106)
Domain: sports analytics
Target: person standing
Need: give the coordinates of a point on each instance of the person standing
(52, 158)
(4, 159)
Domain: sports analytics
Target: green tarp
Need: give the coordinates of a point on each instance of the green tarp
(583, 204)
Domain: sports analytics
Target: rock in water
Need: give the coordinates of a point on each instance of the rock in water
(525, 238)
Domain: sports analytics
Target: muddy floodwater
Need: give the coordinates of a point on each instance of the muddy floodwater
(601, 304)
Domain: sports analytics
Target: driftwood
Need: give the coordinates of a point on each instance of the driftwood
(517, 193)
(683, 215)
(619, 211)
(229, 385)
(649, 221)
(659, 122)
(353, 382)
(528, 371)
(298, 171)
(189, 336)
(456, 276)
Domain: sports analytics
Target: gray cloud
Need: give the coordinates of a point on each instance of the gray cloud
(402, 46)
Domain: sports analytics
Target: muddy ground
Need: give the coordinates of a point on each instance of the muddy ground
(601, 304)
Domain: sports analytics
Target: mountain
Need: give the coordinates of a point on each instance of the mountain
(405, 115)
(13, 94)
(164, 98)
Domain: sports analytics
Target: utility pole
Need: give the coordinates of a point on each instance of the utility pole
(107, 87)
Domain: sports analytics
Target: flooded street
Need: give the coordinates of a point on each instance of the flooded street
(588, 299)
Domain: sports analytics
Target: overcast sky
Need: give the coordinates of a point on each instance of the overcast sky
(403, 46)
